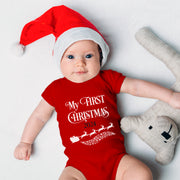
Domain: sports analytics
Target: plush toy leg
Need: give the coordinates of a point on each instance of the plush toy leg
(159, 49)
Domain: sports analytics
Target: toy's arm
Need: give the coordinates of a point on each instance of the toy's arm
(33, 126)
(146, 89)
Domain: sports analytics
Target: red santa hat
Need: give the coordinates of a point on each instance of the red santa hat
(68, 26)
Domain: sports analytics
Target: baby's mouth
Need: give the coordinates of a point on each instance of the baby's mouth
(80, 72)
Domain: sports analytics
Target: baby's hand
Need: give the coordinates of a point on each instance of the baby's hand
(23, 151)
(175, 100)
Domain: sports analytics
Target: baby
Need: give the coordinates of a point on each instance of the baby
(85, 101)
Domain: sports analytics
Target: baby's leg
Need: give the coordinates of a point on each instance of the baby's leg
(131, 168)
(71, 173)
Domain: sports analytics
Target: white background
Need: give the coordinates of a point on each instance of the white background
(22, 80)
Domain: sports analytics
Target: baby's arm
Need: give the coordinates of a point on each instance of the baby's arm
(35, 123)
(142, 88)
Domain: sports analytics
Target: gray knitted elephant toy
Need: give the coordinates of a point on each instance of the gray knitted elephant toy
(158, 126)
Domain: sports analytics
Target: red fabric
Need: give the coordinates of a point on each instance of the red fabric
(55, 21)
(89, 122)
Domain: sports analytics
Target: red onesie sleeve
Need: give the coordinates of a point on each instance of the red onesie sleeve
(49, 93)
(114, 79)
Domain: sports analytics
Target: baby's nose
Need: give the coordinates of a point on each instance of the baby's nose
(80, 62)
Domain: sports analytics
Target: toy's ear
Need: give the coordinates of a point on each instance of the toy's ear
(130, 123)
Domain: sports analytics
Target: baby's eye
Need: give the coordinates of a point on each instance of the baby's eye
(70, 57)
(89, 56)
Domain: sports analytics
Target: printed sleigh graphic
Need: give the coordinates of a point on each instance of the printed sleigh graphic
(102, 133)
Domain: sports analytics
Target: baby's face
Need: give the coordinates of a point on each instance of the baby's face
(81, 61)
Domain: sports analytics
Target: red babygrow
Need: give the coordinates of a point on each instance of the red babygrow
(89, 123)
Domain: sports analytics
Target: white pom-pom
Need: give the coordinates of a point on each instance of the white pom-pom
(18, 49)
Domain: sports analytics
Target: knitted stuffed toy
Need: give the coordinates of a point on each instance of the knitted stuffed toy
(159, 125)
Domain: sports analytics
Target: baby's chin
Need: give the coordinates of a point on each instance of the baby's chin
(81, 78)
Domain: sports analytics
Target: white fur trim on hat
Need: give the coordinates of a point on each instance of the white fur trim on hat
(18, 49)
(76, 34)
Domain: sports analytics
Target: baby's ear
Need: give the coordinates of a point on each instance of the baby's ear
(130, 123)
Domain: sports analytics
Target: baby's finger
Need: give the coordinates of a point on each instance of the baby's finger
(28, 154)
(23, 155)
(17, 154)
